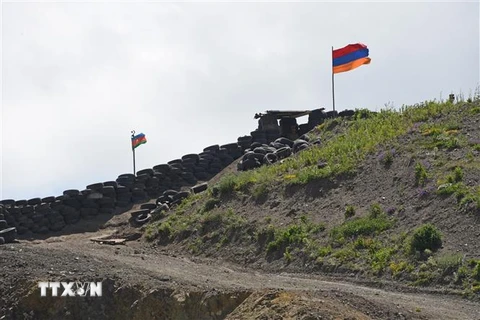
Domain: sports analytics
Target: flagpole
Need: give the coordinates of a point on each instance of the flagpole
(333, 84)
(133, 151)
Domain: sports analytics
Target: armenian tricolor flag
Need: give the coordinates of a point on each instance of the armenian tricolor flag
(138, 140)
(350, 57)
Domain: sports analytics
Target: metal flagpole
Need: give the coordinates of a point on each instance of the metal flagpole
(333, 84)
(133, 151)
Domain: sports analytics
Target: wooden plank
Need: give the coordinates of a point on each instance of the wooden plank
(109, 241)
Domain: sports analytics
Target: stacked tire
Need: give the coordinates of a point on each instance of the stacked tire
(8, 233)
(262, 154)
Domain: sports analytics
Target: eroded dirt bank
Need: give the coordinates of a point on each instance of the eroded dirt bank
(139, 282)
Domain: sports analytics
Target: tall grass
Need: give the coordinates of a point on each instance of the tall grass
(342, 152)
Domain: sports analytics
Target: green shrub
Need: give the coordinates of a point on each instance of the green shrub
(449, 261)
(287, 255)
(381, 258)
(260, 191)
(283, 238)
(455, 176)
(375, 210)
(294, 234)
(421, 174)
(361, 226)
(324, 251)
(425, 237)
(476, 272)
(349, 211)
(475, 110)
(210, 204)
(227, 185)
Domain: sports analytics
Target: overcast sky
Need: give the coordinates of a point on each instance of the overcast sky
(78, 77)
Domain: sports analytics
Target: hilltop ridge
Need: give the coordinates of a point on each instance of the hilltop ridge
(372, 215)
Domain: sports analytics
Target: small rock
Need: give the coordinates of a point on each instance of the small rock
(134, 304)
(321, 164)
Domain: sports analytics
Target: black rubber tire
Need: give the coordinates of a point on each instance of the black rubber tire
(202, 176)
(199, 188)
(8, 202)
(181, 195)
(34, 201)
(161, 208)
(299, 142)
(9, 234)
(255, 145)
(125, 176)
(143, 177)
(302, 147)
(213, 148)
(21, 203)
(147, 171)
(108, 190)
(48, 199)
(3, 224)
(137, 213)
(270, 158)
(176, 202)
(175, 161)
(277, 145)
(142, 219)
(163, 199)
(163, 168)
(285, 141)
(283, 153)
(125, 182)
(2, 240)
(111, 184)
(248, 164)
(149, 206)
(192, 156)
(230, 146)
(258, 156)
(170, 192)
(71, 193)
(260, 150)
(95, 186)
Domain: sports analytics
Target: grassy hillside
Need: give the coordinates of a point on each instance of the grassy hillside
(387, 195)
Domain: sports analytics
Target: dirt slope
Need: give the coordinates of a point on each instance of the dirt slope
(270, 296)
(272, 251)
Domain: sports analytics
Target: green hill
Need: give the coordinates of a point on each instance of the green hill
(393, 195)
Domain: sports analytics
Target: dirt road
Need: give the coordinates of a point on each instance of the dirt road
(135, 262)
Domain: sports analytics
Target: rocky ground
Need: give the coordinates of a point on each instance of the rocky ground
(144, 281)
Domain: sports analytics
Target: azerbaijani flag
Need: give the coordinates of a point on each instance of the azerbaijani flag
(350, 57)
(138, 140)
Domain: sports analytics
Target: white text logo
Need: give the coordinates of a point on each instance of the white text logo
(71, 289)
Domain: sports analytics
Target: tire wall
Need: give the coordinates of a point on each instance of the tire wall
(163, 181)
